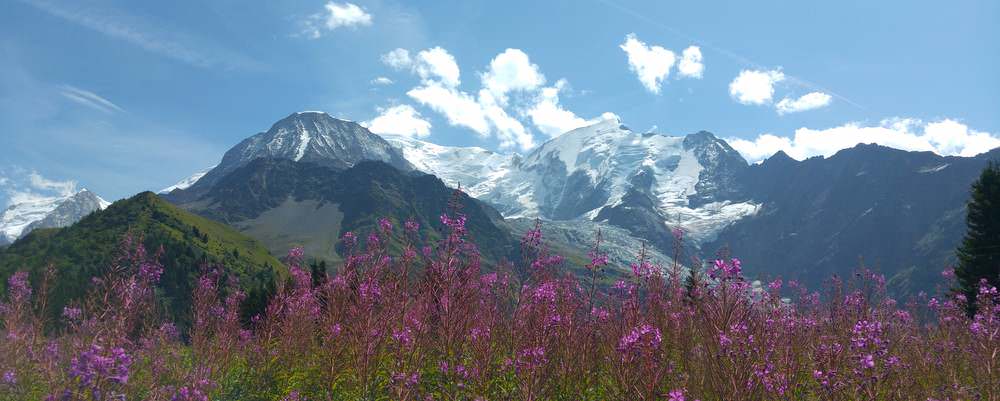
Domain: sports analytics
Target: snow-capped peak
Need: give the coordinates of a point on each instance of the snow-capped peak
(474, 168)
(187, 182)
(47, 212)
(306, 136)
(583, 171)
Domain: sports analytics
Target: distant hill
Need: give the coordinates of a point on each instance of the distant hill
(83, 250)
(900, 213)
(285, 203)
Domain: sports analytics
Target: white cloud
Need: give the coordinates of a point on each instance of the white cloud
(754, 86)
(399, 120)
(64, 188)
(552, 119)
(382, 81)
(337, 15)
(89, 99)
(22, 186)
(945, 137)
(809, 101)
(511, 71)
(436, 64)
(651, 64)
(488, 111)
(398, 59)
(690, 64)
(458, 107)
(509, 130)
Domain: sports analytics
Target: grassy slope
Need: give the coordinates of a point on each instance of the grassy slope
(85, 249)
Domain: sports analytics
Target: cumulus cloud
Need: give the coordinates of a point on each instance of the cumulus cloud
(512, 93)
(809, 101)
(336, 15)
(457, 107)
(510, 71)
(399, 120)
(509, 130)
(690, 64)
(381, 81)
(651, 64)
(945, 137)
(434, 64)
(438, 65)
(89, 99)
(755, 86)
(552, 119)
(398, 59)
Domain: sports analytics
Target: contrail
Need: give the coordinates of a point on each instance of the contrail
(725, 52)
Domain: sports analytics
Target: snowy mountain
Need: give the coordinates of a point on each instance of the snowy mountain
(603, 172)
(21, 218)
(187, 182)
(309, 136)
(476, 169)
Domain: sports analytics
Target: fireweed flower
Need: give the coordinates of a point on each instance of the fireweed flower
(411, 226)
(72, 314)
(95, 366)
(349, 240)
(385, 225)
(642, 340)
(597, 260)
(644, 270)
(369, 291)
(18, 287)
(722, 270)
(530, 359)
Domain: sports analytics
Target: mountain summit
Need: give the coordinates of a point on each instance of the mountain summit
(599, 171)
(21, 218)
(312, 137)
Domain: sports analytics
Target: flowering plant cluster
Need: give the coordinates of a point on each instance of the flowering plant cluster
(431, 322)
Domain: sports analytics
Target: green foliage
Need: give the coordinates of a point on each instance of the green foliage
(979, 254)
(189, 243)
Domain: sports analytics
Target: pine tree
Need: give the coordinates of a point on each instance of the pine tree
(979, 253)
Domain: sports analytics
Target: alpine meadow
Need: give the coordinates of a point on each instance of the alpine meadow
(331, 200)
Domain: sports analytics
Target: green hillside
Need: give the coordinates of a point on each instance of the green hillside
(83, 250)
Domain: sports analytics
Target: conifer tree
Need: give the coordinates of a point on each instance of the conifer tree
(979, 253)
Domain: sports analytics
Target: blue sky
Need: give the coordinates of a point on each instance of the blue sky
(122, 96)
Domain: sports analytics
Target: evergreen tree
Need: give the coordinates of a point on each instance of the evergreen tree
(979, 254)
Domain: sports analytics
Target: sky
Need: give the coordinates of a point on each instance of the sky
(120, 97)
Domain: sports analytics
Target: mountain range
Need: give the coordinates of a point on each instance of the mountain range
(22, 218)
(311, 177)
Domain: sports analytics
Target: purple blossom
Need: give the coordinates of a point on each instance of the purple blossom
(723, 270)
(349, 240)
(530, 358)
(150, 271)
(369, 291)
(72, 314)
(9, 378)
(385, 225)
(411, 226)
(95, 366)
(18, 287)
(644, 339)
